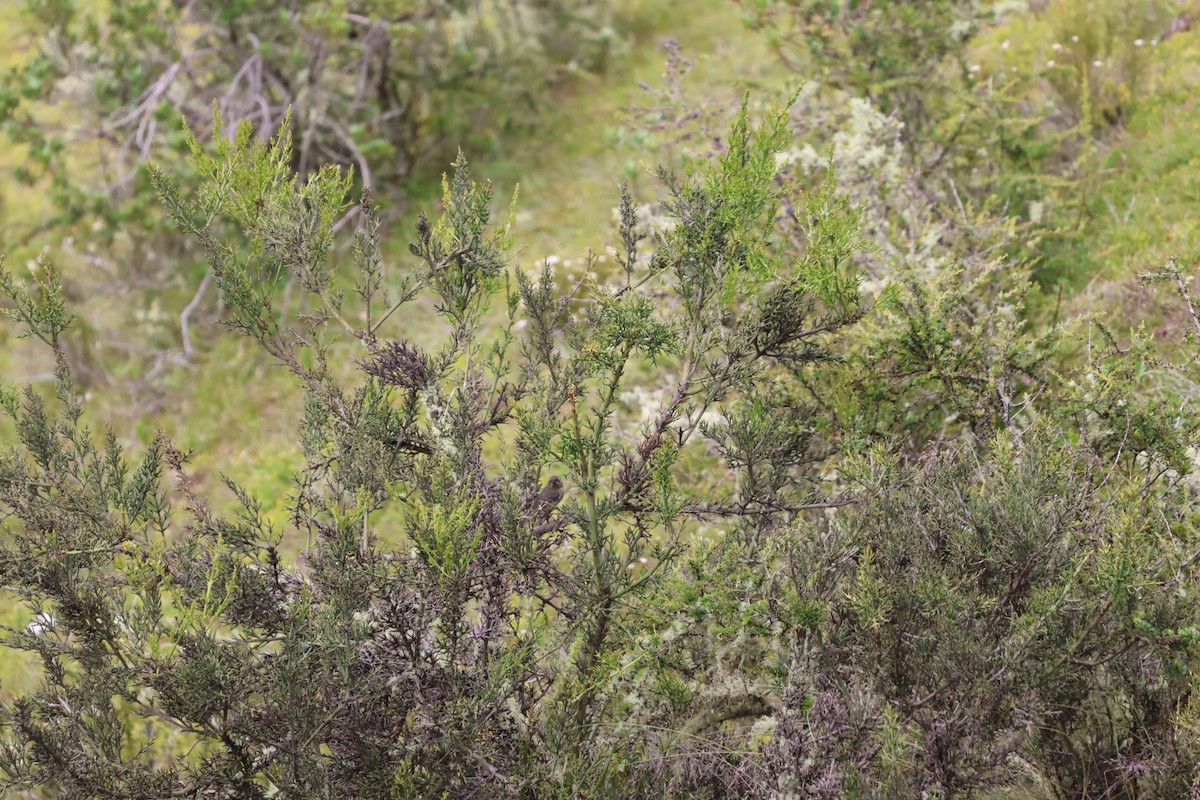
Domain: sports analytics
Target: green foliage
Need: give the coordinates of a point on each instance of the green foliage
(992, 601)
(479, 659)
(998, 105)
(799, 500)
(378, 87)
(891, 53)
(386, 91)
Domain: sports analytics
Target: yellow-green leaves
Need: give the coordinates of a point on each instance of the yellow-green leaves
(42, 312)
(445, 534)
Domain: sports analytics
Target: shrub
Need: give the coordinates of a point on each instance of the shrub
(889, 53)
(379, 87)
(999, 617)
(478, 658)
(384, 89)
(1014, 105)
(925, 559)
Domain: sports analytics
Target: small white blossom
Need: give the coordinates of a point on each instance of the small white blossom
(1050, 63)
(1004, 45)
(1056, 47)
(1036, 210)
(42, 623)
(974, 68)
(1138, 42)
(1097, 63)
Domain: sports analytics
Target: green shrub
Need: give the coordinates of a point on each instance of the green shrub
(476, 659)
(998, 620)
(385, 89)
(890, 53)
(841, 554)
(381, 87)
(1007, 105)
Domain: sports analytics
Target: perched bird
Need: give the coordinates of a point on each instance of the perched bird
(541, 508)
(548, 498)
(551, 494)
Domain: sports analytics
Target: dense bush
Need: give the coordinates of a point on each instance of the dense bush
(840, 554)
(995, 617)
(478, 658)
(386, 89)
(891, 53)
(379, 86)
(1006, 105)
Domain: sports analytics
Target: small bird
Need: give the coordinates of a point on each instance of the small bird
(547, 499)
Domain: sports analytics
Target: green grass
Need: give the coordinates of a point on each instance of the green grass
(1142, 210)
(569, 169)
(1141, 179)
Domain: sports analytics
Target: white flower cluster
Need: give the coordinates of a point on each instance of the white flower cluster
(867, 149)
(872, 170)
(43, 623)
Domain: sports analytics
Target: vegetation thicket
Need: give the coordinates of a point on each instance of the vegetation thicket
(859, 462)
